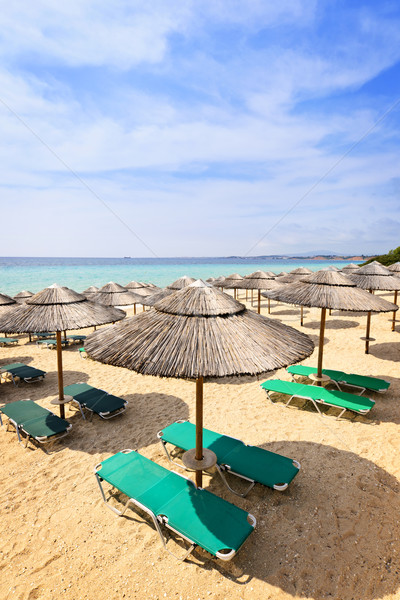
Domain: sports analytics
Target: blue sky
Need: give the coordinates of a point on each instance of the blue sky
(199, 127)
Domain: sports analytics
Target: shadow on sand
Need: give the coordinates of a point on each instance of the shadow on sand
(339, 545)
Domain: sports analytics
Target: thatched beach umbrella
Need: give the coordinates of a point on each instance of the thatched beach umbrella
(329, 289)
(374, 277)
(259, 281)
(88, 293)
(194, 333)
(291, 277)
(232, 282)
(6, 303)
(113, 294)
(395, 269)
(22, 296)
(138, 287)
(181, 283)
(157, 296)
(350, 268)
(57, 309)
(300, 271)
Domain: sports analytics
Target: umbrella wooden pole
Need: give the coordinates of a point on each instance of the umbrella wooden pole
(252, 297)
(60, 375)
(134, 309)
(301, 316)
(394, 312)
(367, 334)
(368, 331)
(269, 306)
(321, 343)
(259, 302)
(199, 428)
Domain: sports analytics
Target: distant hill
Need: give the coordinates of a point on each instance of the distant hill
(390, 258)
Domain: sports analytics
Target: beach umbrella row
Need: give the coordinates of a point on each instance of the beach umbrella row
(57, 309)
(329, 290)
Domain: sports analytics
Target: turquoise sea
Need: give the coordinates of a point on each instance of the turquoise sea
(34, 274)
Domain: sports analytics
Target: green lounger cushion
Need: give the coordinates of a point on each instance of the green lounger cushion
(207, 520)
(4, 340)
(22, 371)
(252, 462)
(34, 419)
(320, 394)
(362, 381)
(94, 399)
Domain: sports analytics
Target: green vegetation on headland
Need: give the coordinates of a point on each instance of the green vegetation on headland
(390, 258)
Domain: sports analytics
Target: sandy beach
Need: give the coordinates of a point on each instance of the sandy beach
(332, 534)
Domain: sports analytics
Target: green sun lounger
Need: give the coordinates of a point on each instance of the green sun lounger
(76, 338)
(51, 343)
(8, 341)
(44, 335)
(20, 371)
(319, 395)
(363, 382)
(195, 514)
(34, 421)
(95, 400)
(251, 463)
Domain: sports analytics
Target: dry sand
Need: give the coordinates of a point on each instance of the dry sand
(333, 534)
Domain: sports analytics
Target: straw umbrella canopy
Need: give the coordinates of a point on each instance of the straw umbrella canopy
(181, 283)
(6, 301)
(373, 277)
(134, 285)
(232, 282)
(291, 278)
(113, 294)
(22, 296)
(57, 309)
(88, 293)
(194, 333)
(329, 289)
(395, 269)
(6, 304)
(157, 296)
(259, 281)
(301, 271)
(350, 268)
(217, 281)
(138, 287)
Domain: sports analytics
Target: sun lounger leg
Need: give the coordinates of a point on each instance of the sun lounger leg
(342, 413)
(153, 517)
(289, 401)
(221, 472)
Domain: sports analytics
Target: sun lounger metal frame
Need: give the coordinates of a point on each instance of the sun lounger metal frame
(19, 428)
(82, 406)
(317, 401)
(12, 370)
(159, 520)
(224, 467)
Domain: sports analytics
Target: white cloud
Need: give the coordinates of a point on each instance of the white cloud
(216, 132)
